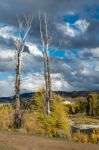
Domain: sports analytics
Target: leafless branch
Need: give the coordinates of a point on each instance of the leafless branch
(41, 33)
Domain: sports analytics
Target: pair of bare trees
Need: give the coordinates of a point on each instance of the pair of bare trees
(20, 43)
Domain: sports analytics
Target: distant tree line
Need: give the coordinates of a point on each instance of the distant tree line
(88, 106)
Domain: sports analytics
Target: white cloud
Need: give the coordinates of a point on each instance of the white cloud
(7, 87)
(7, 32)
(66, 28)
(32, 83)
(7, 54)
(95, 52)
(75, 29)
(82, 25)
(34, 49)
(59, 83)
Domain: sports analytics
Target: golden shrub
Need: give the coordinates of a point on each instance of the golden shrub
(94, 137)
(80, 137)
(57, 123)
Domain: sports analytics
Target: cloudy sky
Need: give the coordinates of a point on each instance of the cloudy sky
(73, 49)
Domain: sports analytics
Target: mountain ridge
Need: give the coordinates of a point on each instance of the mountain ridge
(72, 94)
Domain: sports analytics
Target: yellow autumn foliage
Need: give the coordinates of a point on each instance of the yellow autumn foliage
(55, 124)
(80, 137)
(95, 136)
(6, 117)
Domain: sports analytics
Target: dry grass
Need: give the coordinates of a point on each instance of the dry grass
(82, 119)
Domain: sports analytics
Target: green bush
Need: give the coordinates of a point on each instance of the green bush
(92, 104)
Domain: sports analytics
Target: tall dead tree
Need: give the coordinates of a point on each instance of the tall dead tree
(20, 42)
(45, 42)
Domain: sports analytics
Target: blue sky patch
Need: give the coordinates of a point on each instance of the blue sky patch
(59, 53)
(56, 53)
(22, 34)
(4, 75)
(75, 27)
(75, 52)
(95, 17)
(71, 18)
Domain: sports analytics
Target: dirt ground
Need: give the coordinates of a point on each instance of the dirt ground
(26, 142)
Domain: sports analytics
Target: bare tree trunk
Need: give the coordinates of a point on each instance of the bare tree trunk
(17, 84)
(47, 84)
(45, 43)
(18, 115)
(19, 50)
(49, 79)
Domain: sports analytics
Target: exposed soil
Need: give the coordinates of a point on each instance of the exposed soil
(26, 142)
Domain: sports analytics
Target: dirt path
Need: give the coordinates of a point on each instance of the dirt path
(24, 142)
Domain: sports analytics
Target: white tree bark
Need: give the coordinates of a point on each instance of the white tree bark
(45, 43)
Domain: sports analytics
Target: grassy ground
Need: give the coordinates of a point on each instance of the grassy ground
(13, 141)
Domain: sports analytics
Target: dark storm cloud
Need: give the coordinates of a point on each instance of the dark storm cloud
(55, 9)
(9, 9)
(76, 70)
